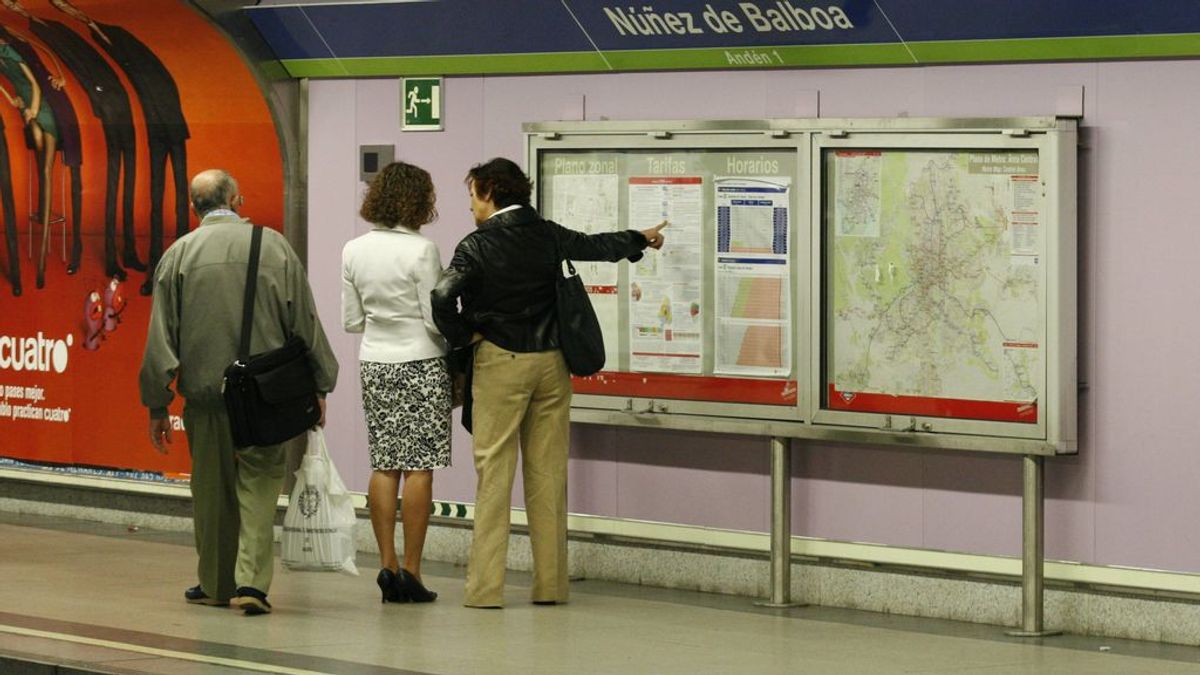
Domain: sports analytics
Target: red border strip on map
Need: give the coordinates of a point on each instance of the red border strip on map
(688, 387)
(926, 406)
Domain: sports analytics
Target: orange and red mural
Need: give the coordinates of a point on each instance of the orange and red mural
(108, 108)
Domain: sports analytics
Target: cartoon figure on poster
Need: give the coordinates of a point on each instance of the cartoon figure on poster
(114, 305)
(93, 321)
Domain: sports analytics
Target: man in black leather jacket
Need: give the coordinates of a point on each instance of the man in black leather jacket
(503, 276)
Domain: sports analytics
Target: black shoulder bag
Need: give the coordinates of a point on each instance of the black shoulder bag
(579, 335)
(271, 397)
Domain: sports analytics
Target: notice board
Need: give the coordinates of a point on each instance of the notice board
(885, 280)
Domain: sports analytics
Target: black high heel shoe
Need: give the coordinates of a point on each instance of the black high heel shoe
(389, 586)
(413, 589)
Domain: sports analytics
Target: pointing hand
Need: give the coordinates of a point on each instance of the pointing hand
(654, 237)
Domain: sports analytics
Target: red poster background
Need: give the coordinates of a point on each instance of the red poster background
(230, 127)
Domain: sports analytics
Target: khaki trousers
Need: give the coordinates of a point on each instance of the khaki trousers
(234, 498)
(521, 400)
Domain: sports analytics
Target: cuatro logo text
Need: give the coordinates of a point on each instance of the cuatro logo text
(38, 353)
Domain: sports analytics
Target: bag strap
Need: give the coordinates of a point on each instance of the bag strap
(559, 256)
(248, 299)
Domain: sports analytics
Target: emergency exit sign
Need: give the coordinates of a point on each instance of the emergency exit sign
(421, 103)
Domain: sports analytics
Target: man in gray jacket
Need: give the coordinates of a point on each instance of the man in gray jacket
(195, 327)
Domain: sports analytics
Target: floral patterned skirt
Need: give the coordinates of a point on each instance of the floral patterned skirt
(408, 414)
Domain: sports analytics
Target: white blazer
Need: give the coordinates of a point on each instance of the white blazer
(387, 275)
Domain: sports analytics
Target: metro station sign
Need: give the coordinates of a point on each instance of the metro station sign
(467, 37)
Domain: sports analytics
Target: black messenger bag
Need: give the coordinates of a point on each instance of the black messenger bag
(270, 397)
(579, 335)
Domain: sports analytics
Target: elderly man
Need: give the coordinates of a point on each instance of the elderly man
(195, 325)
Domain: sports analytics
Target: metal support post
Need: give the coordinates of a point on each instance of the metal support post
(1033, 550)
(781, 525)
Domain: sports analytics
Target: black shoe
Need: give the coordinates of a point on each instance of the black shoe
(196, 596)
(412, 588)
(389, 586)
(114, 272)
(129, 259)
(147, 288)
(251, 601)
(16, 289)
(73, 267)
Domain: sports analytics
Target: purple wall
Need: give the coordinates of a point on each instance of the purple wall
(1129, 498)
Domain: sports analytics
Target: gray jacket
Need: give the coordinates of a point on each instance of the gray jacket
(196, 318)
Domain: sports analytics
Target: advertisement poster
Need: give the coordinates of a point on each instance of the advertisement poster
(108, 108)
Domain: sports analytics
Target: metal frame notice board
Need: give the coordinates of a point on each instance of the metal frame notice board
(906, 282)
(896, 281)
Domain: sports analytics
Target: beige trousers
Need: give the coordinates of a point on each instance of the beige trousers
(521, 401)
(234, 499)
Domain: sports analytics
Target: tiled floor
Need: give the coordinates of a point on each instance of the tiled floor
(83, 593)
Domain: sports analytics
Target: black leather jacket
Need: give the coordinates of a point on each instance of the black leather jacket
(504, 275)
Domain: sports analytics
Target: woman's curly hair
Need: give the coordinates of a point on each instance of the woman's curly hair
(400, 194)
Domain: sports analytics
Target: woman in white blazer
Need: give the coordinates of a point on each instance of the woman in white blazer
(387, 275)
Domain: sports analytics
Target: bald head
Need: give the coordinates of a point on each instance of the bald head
(213, 189)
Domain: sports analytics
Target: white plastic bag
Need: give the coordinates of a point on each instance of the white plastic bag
(318, 528)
